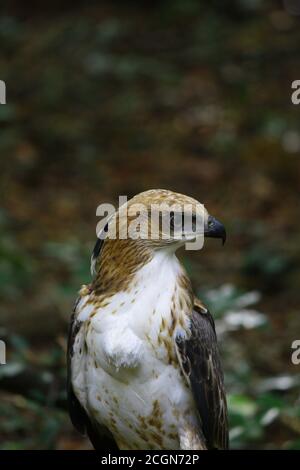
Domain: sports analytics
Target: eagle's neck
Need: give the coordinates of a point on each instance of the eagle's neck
(136, 273)
(119, 261)
(161, 295)
(154, 305)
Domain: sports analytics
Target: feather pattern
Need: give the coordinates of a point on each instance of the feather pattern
(99, 436)
(143, 362)
(199, 358)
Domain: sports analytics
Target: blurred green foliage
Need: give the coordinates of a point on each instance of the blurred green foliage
(114, 98)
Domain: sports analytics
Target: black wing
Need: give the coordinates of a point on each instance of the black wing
(96, 252)
(199, 358)
(99, 436)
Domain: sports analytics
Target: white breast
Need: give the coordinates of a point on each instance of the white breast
(129, 383)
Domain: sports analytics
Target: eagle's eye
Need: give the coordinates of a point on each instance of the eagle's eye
(194, 222)
(172, 216)
(177, 221)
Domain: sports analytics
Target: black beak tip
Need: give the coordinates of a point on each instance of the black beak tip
(215, 229)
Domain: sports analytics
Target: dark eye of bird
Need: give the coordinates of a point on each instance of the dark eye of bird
(177, 222)
(172, 215)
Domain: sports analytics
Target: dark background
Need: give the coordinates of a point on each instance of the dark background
(113, 98)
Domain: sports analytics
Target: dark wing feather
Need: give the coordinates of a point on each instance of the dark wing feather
(99, 436)
(76, 412)
(96, 251)
(199, 358)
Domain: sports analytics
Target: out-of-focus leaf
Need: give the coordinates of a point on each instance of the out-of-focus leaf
(269, 416)
(282, 382)
(11, 369)
(242, 405)
(247, 319)
(228, 297)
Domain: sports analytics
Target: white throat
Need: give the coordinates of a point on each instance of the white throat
(151, 310)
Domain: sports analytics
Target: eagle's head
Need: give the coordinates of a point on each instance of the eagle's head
(161, 218)
(153, 221)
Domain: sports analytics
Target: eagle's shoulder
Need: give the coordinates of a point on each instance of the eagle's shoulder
(200, 308)
(200, 362)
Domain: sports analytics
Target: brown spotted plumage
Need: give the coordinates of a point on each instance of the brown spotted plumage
(143, 363)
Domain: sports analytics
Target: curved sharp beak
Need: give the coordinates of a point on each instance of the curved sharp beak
(215, 229)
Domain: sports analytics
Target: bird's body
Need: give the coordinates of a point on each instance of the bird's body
(134, 380)
(131, 352)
